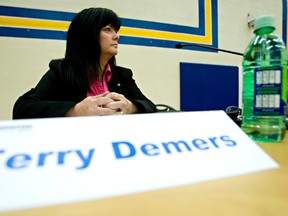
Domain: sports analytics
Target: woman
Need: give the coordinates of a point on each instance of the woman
(87, 81)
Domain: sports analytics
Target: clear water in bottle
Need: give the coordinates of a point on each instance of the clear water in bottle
(264, 84)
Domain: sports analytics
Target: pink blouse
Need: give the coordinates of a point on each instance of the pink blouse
(99, 87)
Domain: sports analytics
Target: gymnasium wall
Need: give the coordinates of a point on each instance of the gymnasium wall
(32, 32)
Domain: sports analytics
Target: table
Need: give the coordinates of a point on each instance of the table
(262, 193)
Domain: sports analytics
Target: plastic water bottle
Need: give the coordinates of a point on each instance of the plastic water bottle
(264, 84)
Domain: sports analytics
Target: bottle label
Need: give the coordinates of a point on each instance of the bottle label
(268, 94)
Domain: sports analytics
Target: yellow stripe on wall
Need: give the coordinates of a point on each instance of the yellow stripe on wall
(153, 34)
(33, 23)
(208, 21)
(126, 31)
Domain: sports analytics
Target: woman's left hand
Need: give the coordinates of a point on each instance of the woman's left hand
(121, 104)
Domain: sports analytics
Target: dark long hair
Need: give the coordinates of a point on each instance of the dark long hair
(81, 62)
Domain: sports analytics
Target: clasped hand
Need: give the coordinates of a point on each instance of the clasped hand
(103, 104)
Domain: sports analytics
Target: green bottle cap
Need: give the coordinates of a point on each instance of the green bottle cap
(264, 21)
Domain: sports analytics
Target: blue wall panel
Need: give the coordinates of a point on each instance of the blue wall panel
(208, 87)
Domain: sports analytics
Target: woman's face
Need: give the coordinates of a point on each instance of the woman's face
(108, 41)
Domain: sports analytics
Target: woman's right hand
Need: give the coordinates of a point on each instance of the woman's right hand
(93, 105)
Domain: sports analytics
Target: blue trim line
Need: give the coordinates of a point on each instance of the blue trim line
(36, 13)
(151, 25)
(32, 33)
(201, 17)
(215, 24)
(158, 43)
(284, 22)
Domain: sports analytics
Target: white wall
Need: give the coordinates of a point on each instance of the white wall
(24, 61)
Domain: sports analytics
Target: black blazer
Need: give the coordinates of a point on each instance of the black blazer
(53, 96)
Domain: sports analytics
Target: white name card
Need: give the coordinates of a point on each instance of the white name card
(56, 161)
